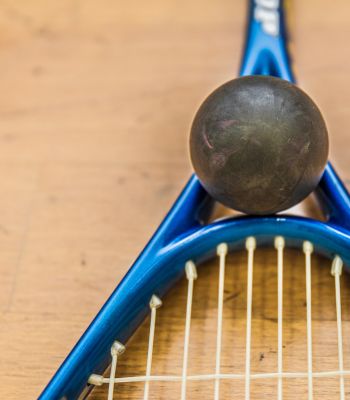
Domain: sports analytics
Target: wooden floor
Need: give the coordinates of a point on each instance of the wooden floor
(96, 102)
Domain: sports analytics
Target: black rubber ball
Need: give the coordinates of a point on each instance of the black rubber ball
(259, 144)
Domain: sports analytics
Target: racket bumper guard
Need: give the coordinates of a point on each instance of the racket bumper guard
(279, 242)
(222, 249)
(308, 248)
(191, 270)
(250, 243)
(96, 380)
(117, 349)
(337, 266)
(155, 302)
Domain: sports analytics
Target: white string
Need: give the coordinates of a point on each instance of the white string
(308, 249)
(250, 246)
(116, 349)
(221, 252)
(111, 380)
(279, 245)
(153, 304)
(191, 274)
(98, 380)
(337, 266)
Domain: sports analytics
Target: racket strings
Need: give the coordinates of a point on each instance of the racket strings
(308, 249)
(191, 275)
(279, 246)
(336, 271)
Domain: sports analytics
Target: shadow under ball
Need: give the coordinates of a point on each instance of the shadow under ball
(259, 144)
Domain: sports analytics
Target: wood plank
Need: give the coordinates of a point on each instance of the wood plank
(96, 103)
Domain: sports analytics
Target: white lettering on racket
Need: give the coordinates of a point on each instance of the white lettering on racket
(266, 12)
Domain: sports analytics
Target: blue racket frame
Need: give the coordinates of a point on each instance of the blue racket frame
(184, 234)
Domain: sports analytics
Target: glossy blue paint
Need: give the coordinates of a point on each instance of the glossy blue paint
(334, 198)
(264, 53)
(185, 235)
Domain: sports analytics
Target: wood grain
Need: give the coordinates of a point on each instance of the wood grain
(96, 102)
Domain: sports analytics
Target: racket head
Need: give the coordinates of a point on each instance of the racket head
(218, 347)
(156, 274)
